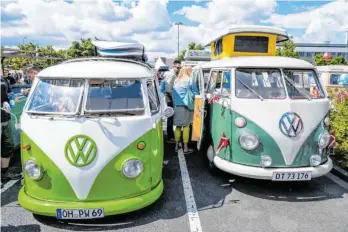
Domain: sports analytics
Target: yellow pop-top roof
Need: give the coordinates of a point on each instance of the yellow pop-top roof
(247, 40)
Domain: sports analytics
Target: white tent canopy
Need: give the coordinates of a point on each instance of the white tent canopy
(160, 64)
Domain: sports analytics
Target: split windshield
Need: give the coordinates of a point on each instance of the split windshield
(56, 96)
(114, 96)
(64, 96)
(259, 83)
(256, 83)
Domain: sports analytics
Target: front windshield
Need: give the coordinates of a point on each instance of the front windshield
(56, 96)
(255, 83)
(339, 79)
(303, 84)
(114, 96)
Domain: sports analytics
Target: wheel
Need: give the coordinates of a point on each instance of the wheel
(210, 157)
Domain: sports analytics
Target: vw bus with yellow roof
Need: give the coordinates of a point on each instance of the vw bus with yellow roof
(92, 139)
(262, 120)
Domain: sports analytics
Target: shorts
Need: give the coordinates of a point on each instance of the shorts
(7, 144)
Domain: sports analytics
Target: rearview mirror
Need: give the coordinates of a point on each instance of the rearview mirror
(168, 112)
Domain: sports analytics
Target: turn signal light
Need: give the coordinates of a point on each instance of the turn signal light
(141, 145)
(26, 146)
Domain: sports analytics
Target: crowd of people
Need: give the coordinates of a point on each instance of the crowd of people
(7, 143)
(177, 85)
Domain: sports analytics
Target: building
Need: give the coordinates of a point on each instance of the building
(307, 51)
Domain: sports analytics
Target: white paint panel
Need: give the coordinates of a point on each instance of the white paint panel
(266, 114)
(110, 135)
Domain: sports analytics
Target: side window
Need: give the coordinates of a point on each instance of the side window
(206, 77)
(215, 81)
(153, 95)
(226, 80)
(218, 47)
(195, 79)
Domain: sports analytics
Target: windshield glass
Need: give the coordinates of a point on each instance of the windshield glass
(302, 84)
(259, 83)
(56, 96)
(114, 96)
(339, 79)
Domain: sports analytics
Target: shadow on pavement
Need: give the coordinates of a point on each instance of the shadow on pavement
(210, 190)
(26, 228)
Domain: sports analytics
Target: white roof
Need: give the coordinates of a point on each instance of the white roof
(259, 62)
(333, 68)
(98, 68)
(282, 34)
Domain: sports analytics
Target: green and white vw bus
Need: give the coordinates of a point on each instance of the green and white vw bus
(92, 139)
(262, 119)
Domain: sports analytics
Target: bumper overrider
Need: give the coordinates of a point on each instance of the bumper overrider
(267, 173)
(111, 207)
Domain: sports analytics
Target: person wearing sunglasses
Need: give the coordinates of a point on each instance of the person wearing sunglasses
(167, 88)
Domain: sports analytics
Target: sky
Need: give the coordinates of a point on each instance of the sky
(151, 22)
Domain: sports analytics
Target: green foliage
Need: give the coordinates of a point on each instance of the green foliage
(77, 49)
(288, 50)
(191, 46)
(339, 125)
(319, 60)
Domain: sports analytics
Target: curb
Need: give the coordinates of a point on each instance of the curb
(340, 172)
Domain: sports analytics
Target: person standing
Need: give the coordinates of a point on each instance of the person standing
(167, 88)
(183, 96)
(31, 73)
(7, 144)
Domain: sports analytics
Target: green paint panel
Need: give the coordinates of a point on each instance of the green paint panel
(49, 208)
(268, 146)
(119, 186)
(53, 185)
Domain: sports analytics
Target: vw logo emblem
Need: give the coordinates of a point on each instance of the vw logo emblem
(290, 124)
(80, 150)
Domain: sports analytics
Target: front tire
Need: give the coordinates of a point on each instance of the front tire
(210, 158)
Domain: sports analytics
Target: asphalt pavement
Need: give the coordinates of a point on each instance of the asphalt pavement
(196, 200)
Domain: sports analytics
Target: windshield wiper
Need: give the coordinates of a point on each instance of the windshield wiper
(303, 93)
(253, 91)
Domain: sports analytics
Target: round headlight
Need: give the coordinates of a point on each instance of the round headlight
(132, 168)
(327, 121)
(248, 141)
(266, 161)
(33, 170)
(315, 160)
(324, 140)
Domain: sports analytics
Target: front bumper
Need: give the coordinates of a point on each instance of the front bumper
(267, 173)
(112, 207)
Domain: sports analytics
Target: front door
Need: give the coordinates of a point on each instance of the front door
(198, 114)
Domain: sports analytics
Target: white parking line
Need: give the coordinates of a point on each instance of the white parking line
(9, 185)
(195, 223)
(337, 180)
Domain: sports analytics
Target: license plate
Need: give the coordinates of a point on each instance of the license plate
(291, 176)
(80, 213)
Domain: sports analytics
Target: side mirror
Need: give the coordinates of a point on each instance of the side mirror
(168, 112)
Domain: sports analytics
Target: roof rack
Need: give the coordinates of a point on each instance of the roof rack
(101, 58)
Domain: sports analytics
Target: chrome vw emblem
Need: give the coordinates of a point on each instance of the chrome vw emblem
(290, 124)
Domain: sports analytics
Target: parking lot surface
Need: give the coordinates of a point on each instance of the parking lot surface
(196, 200)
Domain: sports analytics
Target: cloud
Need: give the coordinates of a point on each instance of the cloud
(78, 19)
(320, 24)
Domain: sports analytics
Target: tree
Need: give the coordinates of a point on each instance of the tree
(191, 46)
(288, 49)
(319, 60)
(81, 49)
